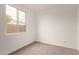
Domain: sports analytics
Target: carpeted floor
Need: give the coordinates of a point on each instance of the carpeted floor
(37, 48)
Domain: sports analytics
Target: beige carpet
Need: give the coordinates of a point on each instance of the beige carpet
(37, 48)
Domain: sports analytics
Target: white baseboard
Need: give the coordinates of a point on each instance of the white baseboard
(22, 46)
(56, 45)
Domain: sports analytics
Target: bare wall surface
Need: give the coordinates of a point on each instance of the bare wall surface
(57, 26)
(77, 27)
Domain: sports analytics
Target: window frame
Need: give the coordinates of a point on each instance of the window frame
(17, 32)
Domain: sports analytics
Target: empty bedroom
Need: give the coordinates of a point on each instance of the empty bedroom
(39, 29)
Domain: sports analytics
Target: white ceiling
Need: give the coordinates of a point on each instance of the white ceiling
(34, 7)
(37, 7)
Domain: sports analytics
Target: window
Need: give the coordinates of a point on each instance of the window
(15, 20)
(21, 21)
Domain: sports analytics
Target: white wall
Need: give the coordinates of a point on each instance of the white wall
(57, 26)
(78, 27)
(12, 42)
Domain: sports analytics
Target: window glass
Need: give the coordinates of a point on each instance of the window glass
(11, 19)
(21, 21)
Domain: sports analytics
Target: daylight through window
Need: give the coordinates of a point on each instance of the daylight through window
(15, 20)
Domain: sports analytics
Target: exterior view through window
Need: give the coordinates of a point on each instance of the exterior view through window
(15, 20)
